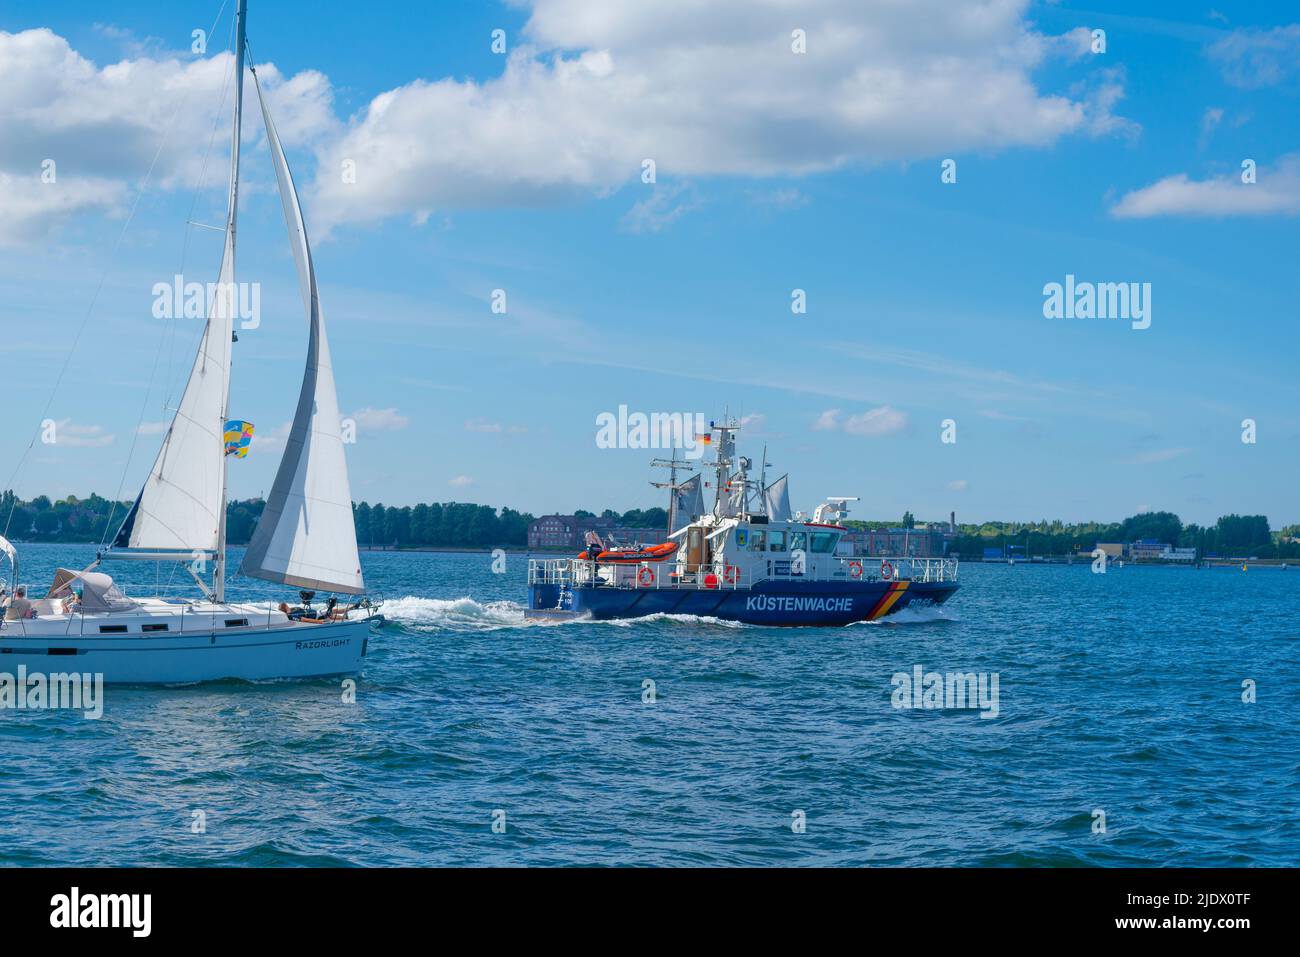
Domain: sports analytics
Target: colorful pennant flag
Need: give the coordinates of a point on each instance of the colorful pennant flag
(239, 436)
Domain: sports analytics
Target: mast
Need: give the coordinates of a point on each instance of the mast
(673, 465)
(232, 212)
(725, 459)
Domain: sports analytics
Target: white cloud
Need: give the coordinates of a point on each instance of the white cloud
(1210, 121)
(827, 421)
(960, 485)
(1275, 192)
(1075, 44)
(663, 207)
(706, 87)
(380, 420)
(874, 423)
(703, 87)
(103, 126)
(998, 416)
(69, 434)
(1101, 97)
(153, 428)
(30, 208)
(483, 425)
(271, 440)
(460, 481)
(1251, 58)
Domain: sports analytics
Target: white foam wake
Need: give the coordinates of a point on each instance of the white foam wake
(453, 614)
(676, 619)
(914, 616)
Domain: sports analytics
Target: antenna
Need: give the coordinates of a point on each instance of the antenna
(725, 455)
(833, 508)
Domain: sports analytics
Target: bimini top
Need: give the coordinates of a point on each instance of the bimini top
(98, 593)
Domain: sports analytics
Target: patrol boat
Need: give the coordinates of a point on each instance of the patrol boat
(748, 559)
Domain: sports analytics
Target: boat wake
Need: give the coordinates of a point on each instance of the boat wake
(466, 614)
(914, 616)
(454, 614)
(695, 620)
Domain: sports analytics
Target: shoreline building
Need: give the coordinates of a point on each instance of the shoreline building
(569, 531)
(921, 542)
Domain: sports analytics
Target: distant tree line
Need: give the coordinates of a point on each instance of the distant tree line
(633, 518)
(440, 525)
(465, 525)
(68, 520)
(1231, 535)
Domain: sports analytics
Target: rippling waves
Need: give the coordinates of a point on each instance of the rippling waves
(1118, 693)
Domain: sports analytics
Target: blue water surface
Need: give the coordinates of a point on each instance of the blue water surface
(1119, 693)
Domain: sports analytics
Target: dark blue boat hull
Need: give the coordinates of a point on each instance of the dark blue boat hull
(767, 603)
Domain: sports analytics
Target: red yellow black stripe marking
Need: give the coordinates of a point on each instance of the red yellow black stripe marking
(888, 599)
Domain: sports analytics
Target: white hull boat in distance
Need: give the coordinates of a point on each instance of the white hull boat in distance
(305, 538)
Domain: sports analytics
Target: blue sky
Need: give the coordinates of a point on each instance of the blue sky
(775, 171)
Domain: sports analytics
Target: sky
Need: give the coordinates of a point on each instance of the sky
(795, 147)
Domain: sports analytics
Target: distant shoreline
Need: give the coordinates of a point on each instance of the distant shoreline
(1279, 563)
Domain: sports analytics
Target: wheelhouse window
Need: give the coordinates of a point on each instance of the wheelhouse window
(776, 541)
(757, 541)
(798, 542)
(823, 543)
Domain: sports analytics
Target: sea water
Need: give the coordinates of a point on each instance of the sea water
(1145, 716)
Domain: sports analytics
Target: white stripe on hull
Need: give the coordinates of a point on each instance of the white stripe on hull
(298, 651)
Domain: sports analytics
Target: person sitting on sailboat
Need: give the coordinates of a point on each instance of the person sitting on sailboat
(19, 607)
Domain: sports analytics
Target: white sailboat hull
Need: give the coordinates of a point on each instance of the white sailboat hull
(198, 651)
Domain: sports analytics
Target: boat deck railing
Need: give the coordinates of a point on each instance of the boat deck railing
(570, 572)
(187, 619)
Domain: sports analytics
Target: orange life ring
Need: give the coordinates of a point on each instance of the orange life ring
(731, 573)
(855, 569)
(646, 576)
(886, 570)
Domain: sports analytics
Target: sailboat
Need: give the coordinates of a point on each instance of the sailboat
(305, 537)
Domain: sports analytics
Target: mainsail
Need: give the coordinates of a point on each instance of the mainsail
(776, 500)
(183, 500)
(306, 536)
